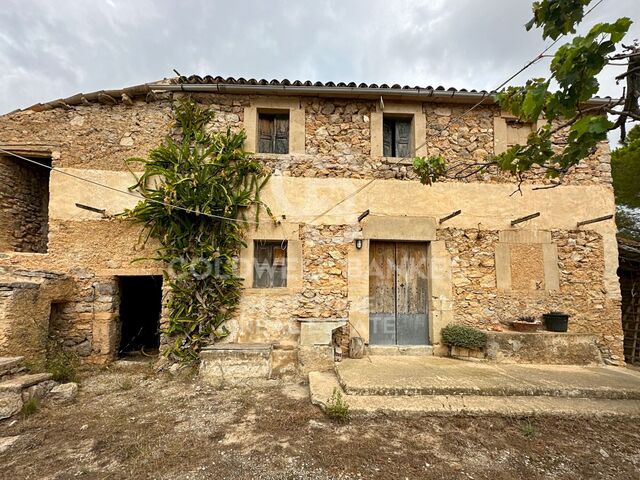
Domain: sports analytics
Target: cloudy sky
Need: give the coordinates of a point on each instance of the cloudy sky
(55, 48)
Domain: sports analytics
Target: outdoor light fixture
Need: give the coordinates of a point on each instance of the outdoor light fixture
(358, 243)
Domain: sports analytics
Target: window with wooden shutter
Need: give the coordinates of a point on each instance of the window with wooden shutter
(269, 264)
(396, 137)
(273, 133)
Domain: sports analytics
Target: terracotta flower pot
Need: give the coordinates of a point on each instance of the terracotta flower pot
(519, 326)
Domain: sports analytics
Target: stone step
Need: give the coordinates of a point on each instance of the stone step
(423, 376)
(323, 384)
(235, 363)
(11, 366)
(19, 383)
(416, 350)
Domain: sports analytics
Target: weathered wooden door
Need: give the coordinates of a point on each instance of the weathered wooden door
(398, 294)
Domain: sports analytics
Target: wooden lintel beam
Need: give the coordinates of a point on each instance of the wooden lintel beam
(450, 216)
(595, 220)
(524, 219)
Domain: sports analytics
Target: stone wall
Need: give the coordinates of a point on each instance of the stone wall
(92, 251)
(582, 294)
(271, 315)
(337, 137)
(24, 204)
(94, 136)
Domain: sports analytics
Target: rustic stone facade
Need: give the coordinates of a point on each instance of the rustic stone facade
(323, 190)
(581, 266)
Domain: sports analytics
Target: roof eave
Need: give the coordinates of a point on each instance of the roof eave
(455, 96)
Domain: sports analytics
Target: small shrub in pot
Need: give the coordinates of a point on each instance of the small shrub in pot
(455, 335)
(525, 323)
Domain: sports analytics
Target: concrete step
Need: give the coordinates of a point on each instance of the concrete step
(10, 367)
(414, 350)
(415, 376)
(19, 383)
(322, 385)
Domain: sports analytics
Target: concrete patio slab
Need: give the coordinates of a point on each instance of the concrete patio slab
(423, 375)
(322, 385)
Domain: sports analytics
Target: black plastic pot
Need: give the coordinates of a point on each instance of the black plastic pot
(556, 321)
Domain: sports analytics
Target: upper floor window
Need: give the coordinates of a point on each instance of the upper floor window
(269, 264)
(396, 136)
(517, 132)
(273, 132)
(509, 131)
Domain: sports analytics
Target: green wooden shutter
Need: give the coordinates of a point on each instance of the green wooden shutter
(281, 144)
(266, 133)
(403, 138)
(387, 138)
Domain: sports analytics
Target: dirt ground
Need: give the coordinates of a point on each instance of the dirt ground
(137, 425)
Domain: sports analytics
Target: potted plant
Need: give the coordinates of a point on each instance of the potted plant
(525, 323)
(556, 321)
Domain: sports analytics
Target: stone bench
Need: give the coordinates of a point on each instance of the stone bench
(235, 363)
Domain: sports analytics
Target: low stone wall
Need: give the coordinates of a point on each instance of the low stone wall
(543, 347)
(25, 310)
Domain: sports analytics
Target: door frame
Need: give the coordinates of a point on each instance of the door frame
(401, 319)
(400, 229)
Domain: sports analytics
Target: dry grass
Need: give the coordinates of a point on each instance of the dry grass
(163, 428)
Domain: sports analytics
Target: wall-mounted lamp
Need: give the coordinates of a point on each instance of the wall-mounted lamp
(358, 243)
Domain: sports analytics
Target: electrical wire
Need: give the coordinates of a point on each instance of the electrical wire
(472, 108)
(533, 61)
(522, 69)
(124, 192)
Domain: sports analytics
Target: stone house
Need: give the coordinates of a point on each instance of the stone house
(360, 248)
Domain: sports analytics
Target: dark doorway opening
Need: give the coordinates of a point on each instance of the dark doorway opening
(140, 308)
(24, 204)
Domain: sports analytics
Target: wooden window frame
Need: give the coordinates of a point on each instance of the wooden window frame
(391, 148)
(269, 267)
(275, 141)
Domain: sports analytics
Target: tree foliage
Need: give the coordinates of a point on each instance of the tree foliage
(197, 190)
(559, 104)
(625, 170)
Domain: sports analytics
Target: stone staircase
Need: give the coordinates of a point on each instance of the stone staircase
(18, 387)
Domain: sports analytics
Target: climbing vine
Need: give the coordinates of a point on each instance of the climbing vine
(197, 189)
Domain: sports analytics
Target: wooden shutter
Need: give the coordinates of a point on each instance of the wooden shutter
(266, 133)
(403, 138)
(387, 138)
(269, 264)
(281, 134)
(261, 265)
(382, 300)
(279, 263)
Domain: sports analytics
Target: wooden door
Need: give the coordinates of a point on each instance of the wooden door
(398, 312)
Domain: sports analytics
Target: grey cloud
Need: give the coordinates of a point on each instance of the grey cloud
(55, 49)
